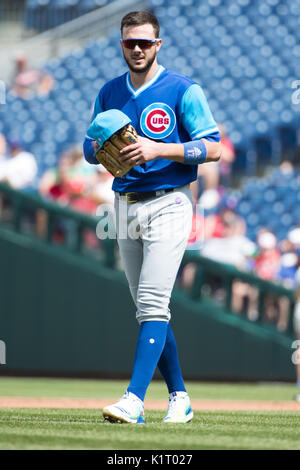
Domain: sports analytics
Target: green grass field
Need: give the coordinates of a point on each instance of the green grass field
(85, 429)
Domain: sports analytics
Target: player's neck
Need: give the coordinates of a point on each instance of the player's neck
(139, 79)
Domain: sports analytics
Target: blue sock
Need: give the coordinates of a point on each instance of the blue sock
(169, 365)
(150, 344)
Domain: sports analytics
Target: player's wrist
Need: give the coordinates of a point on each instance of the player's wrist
(195, 152)
(161, 150)
(171, 151)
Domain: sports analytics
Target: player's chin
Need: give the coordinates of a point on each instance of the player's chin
(138, 66)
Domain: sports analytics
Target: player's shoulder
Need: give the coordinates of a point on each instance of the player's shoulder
(179, 79)
(114, 83)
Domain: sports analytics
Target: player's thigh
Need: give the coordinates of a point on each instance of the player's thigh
(130, 249)
(163, 249)
(131, 253)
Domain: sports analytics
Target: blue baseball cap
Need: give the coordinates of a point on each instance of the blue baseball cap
(106, 124)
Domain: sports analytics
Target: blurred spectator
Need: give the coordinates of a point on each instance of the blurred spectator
(206, 218)
(267, 262)
(3, 147)
(217, 223)
(72, 182)
(210, 217)
(286, 168)
(102, 192)
(229, 243)
(228, 156)
(288, 265)
(294, 238)
(20, 169)
(28, 82)
(208, 179)
(208, 203)
(197, 234)
(266, 265)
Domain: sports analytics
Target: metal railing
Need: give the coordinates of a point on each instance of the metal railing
(209, 272)
(61, 225)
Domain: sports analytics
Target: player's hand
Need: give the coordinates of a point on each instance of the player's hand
(95, 145)
(143, 151)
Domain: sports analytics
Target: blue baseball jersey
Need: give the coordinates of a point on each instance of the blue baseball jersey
(169, 108)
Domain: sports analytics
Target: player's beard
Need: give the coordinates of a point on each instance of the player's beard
(144, 69)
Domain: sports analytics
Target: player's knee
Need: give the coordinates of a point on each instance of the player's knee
(151, 315)
(152, 303)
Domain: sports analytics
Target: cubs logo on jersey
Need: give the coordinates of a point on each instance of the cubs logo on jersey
(158, 121)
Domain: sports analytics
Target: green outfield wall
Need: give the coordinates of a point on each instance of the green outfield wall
(65, 314)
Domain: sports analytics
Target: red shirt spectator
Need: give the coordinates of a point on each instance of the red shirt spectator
(267, 262)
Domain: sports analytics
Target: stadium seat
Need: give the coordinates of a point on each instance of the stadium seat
(44, 14)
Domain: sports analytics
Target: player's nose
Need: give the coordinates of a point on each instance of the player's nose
(137, 48)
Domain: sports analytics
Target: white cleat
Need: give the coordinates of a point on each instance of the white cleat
(179, 410)
(130, 409)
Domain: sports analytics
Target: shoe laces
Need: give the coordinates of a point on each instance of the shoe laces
(174, 400)
(172, 404)
(130, 401)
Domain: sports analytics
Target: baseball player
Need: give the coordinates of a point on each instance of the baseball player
(153, 203)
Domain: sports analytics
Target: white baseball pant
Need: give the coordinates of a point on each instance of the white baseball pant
(152, 236)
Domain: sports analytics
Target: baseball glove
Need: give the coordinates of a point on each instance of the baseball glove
(108, 155)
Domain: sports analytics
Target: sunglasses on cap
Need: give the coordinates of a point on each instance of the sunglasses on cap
(142, 43)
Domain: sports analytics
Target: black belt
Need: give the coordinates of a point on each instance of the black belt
(133, 197)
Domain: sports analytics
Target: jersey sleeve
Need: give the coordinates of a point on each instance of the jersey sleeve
(196, 115)
(98, 106)
(88, 149)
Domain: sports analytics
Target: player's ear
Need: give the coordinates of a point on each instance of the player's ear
(158, 44)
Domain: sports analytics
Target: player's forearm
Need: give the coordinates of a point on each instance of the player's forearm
(176, 152)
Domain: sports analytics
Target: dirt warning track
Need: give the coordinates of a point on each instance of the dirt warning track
(198, 405)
